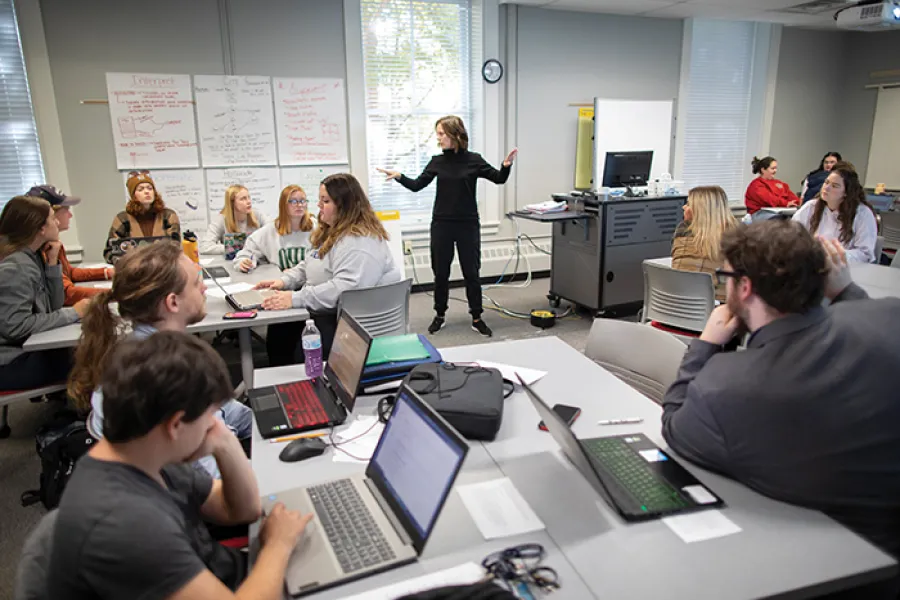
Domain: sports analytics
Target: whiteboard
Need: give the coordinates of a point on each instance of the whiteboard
(884, 166)
(264, 184)
(236, 120)
(152, 120)
(632, 126)
(183, 191)
(311, 115)
(309, 179)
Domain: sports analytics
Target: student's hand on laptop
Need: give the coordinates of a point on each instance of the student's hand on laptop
(278, 301)
(245, 265)
(269, 284)
(721, 326)
(793, 203)
(283, 527)
(838, 272)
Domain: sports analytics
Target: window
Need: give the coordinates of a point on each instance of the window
(419, 57)
(20, 153)
(718, 105)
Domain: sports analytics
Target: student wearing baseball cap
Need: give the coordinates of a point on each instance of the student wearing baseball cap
(61, 204)
(145, 214)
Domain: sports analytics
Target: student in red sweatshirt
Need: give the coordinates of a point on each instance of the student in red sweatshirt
(70, 275)
(765, 190)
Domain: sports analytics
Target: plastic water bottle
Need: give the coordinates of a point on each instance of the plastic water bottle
(312, 350)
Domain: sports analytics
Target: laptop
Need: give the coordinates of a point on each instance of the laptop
(383, 518)
(322, 402)
(119, 247)
(635, 477)
(239, 301)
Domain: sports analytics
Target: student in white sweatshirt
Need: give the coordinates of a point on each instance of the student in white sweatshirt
(238, 216)
(284, 242)
(349, 250)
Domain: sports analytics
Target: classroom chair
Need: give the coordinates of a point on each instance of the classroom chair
(679, 302)
(31, 575)
(879, 248)
(381, 310)
(890, 231)
(645, 358)
(7, 398)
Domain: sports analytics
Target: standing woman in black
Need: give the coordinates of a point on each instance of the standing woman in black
(454, 219)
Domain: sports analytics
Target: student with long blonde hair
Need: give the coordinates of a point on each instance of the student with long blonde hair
(283, 242)
(349, 250)
(697, 245)
(237, 216)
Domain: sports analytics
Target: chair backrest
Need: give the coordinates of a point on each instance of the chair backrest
(890, 230)
(382, 310)
(31, 576)
(645, 358)
(681, 299)
(895, 262)
(879, 247)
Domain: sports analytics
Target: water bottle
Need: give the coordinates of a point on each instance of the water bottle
(189, 246)
(312, 350)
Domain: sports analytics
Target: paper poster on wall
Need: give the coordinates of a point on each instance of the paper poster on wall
(391, 221)
(236, 120)
(263, 183)
(309, 179)
(152, 121)
(183, 191)
(311, 117)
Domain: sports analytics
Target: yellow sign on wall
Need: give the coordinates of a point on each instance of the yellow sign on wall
(584, 149)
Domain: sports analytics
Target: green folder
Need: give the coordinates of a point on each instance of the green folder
(396, 348)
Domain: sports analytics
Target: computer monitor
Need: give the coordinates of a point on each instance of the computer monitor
(627, 169)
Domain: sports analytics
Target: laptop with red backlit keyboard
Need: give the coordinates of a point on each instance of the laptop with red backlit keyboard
(317, 403)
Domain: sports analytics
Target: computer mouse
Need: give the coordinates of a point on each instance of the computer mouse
(302, 449)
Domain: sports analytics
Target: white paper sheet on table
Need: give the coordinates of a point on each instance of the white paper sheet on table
(702, 525)
(206, 261)
(366, 431)
(233, 288)
(104, 285)
(509, 371)
(498, 509)
(98, 265)
(460, 575)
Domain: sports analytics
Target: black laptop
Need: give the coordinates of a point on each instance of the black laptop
(323, 402)
(635, 477)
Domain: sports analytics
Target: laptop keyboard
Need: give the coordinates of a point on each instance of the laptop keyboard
(355, 538)
(302, 405)
(632, 472)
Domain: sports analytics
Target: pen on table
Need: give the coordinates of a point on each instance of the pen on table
(299, 436)
(621, 421)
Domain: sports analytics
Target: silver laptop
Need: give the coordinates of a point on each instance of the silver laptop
(246, 300)
(381, 519)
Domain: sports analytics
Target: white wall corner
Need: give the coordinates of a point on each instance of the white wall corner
(43, 100)
(510, 105)
(762, 97)
(491, 122)
(356, 92)
(774, 53)
(681, 103)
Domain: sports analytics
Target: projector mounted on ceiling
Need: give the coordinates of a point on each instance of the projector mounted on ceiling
(879, 16)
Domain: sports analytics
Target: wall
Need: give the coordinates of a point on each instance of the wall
(808, 98)
(258, 37)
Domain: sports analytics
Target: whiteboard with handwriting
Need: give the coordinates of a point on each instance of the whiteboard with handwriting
(152, 120)
(311, 117)
(309, 179)
(183, 191)
(263, 183)
(236, 121)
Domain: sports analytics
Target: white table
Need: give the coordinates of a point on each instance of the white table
(216, 307)
(782, 550)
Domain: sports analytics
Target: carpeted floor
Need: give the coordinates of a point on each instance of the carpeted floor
(19, 464)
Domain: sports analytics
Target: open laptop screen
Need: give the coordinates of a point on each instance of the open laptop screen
(347, 359)
(416, 463)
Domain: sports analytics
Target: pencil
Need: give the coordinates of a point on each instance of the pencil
(299, 436)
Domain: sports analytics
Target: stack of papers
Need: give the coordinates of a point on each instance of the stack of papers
(233, 288)
(463, 574)
(541, 208)
(509, 372)
(498, 509)
(357, 442)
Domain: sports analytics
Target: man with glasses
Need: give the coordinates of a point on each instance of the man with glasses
(808, 412)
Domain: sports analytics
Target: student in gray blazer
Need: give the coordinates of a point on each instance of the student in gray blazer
(809, 412)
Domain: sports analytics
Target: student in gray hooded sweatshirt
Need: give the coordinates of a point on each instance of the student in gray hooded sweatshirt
(286, 241)
(349, 250)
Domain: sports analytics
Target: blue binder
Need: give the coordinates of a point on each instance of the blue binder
(375, 374)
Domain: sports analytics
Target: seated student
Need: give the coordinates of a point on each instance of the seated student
(157, 288)
(131, 520)
(698, 239)
(813, 181)
(841, 212)
(350, 250)
(808, 413)
(145, 214)
(283, 242)
(31, 294)
(238, 216)
(70, 275)
(765, 190)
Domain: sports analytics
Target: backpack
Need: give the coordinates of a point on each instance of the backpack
(60, 443)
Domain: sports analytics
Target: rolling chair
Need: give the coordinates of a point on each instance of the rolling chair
(381, 310)
(679, 299)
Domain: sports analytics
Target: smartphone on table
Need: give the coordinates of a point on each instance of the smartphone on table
(567, 413)
(244, 314)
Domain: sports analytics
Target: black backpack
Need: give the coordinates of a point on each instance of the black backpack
(60, 443)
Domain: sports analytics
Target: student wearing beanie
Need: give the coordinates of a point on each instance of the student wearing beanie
(70, 275)
(145, 215)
